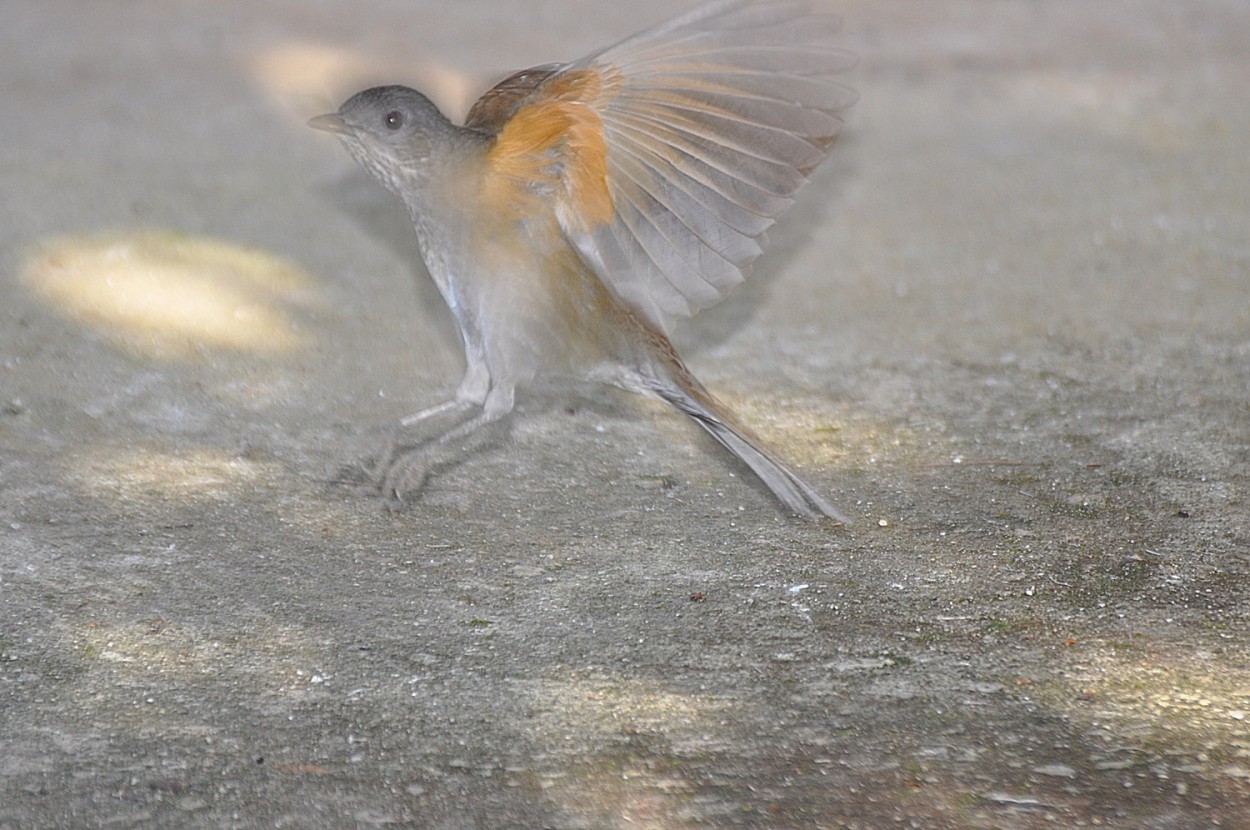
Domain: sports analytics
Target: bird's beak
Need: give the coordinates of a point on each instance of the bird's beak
(330, 122)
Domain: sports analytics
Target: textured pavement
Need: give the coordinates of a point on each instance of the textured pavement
(1007, 329)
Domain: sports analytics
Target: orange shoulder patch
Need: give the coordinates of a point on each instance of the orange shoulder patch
(557, 141)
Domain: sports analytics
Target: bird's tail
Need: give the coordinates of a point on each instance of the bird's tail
(683, 391)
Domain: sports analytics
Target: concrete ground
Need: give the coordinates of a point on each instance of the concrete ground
(1007, 329)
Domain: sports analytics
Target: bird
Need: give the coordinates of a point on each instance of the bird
(584, 208)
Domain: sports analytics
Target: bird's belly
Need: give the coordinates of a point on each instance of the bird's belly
(540, 314)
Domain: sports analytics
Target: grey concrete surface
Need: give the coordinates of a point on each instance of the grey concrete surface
(1007, 328)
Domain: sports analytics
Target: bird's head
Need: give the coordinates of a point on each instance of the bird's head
(395, 132)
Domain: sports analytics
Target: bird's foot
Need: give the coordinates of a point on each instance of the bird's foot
(405, 477)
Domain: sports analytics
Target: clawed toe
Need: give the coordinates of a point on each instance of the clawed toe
(405, 478)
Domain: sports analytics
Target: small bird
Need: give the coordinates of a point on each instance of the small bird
(584, 207)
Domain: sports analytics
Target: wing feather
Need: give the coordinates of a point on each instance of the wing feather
(686, 141)
(653, 228)
(718, 193)
(771, 176)
(721, 239)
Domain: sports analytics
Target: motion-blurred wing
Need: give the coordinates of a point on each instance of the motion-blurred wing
(675, 150)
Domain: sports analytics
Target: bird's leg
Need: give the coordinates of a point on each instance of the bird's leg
(451, 405)
(392, 443)
(392, 446)
(472, 391)
(407, 473)
(470, 395)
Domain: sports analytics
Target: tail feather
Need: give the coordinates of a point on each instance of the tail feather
(660, 372)
(785, 484)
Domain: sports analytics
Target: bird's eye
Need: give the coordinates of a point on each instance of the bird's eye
(394, 120)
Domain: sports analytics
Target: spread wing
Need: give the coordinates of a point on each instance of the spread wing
(667, 156)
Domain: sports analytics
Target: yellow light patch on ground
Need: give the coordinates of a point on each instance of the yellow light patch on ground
(138, 474)
(624, 719)
(170, 296)
(599, 707)
(1194, 700)
(129, 661)
(818, 433)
